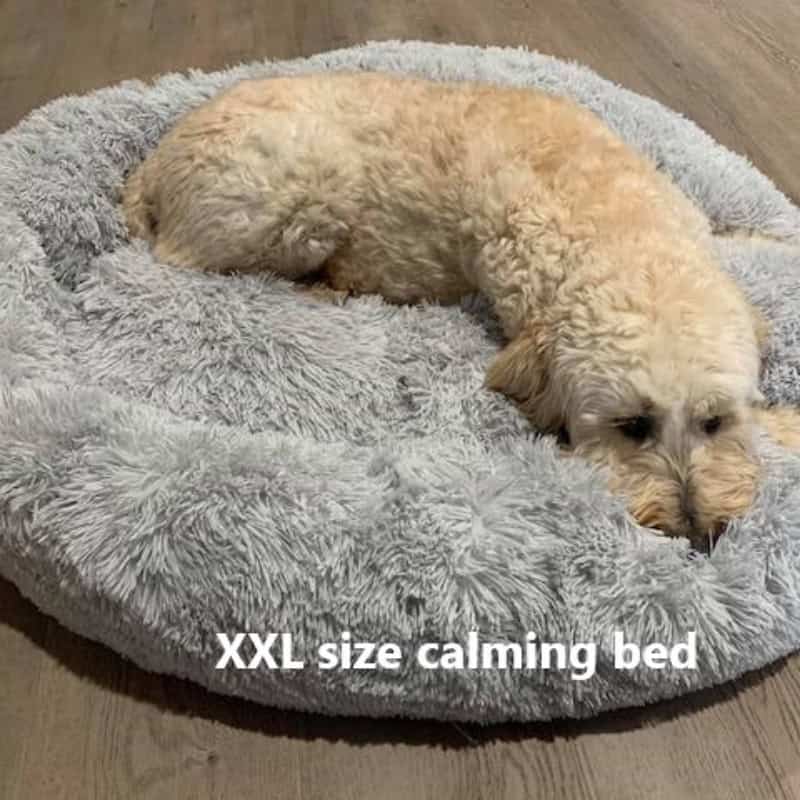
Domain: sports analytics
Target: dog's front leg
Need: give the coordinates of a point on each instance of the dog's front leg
(522, 370)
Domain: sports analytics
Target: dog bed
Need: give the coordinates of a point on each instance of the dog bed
(185, 454)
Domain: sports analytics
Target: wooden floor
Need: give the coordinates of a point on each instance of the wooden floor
(78, 722)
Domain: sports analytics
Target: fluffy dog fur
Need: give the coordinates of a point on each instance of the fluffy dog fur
(624, 333)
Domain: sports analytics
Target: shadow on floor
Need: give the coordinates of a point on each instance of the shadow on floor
(104, 668)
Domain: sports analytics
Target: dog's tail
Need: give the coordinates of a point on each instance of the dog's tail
(138, 207)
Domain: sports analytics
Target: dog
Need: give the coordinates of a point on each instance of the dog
(624, 333)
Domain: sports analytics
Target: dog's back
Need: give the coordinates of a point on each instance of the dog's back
(390, 183)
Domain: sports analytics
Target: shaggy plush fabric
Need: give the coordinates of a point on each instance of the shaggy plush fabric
(186, 454)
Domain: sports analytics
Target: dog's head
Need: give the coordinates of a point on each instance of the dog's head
(655, 378)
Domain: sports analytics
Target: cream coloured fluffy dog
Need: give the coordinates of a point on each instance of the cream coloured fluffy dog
(624, 333)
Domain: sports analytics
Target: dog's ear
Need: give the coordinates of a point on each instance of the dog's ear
(762, 328)
(782, 423)
(521, 371)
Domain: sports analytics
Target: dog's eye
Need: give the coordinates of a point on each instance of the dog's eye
(636, 428)
(712, 425)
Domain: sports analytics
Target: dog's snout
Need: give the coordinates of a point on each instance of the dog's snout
(688, 512)
(684, 514)
(698, 528)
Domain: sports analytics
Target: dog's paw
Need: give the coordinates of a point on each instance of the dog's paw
(307, 243)
(325, 293)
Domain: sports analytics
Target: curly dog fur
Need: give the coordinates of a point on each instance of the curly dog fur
(624, 332)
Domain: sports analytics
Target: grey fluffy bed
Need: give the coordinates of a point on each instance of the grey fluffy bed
(186, 454)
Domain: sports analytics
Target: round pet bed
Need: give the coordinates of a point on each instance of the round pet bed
(183, 455)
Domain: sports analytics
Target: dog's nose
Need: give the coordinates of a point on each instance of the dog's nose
(704, 541)
(687, 508)
(696, 529)
(703, 535)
